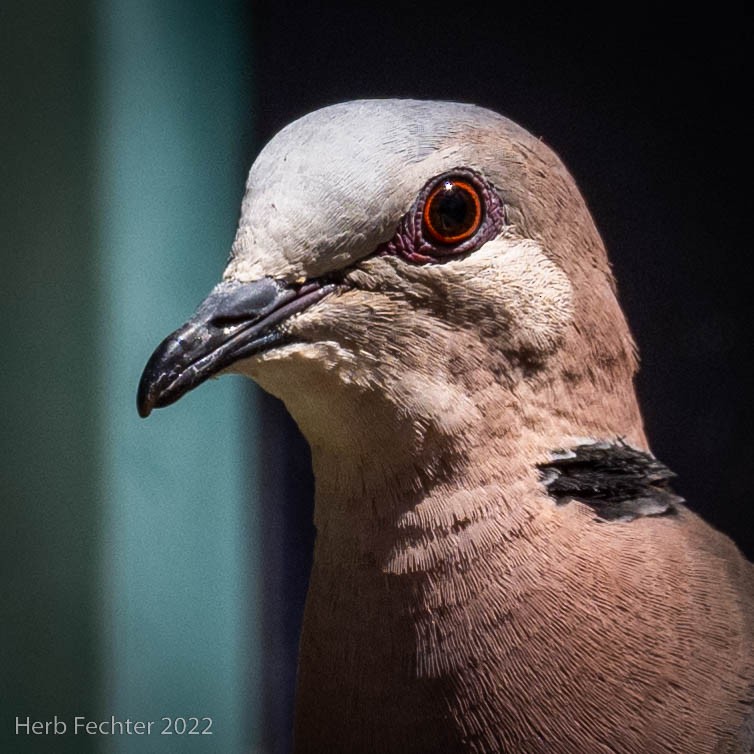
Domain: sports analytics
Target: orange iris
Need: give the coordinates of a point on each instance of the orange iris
(453, 211)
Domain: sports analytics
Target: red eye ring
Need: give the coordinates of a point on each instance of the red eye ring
(453, 211)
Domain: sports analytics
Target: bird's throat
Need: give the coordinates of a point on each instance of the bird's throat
(419, 514)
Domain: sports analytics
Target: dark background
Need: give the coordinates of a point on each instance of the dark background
(646, 113)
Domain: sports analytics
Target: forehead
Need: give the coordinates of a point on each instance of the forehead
(332, 185)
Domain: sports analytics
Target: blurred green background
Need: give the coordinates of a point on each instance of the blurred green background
(127, 588)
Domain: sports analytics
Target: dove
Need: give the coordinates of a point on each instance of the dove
(501, 564)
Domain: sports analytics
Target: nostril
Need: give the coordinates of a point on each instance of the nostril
(233, 303)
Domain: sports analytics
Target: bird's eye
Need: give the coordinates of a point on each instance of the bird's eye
(452, 212)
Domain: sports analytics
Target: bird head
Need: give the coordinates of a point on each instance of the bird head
(429, 262)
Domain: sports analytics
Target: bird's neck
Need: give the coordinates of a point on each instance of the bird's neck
(408, 482)
(417, 517)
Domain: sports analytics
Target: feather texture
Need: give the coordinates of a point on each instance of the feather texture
(452, 606)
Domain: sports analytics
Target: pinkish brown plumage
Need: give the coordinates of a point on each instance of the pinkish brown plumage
(457, 604)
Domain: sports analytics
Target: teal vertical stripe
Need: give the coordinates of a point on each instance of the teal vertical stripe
(179, 589)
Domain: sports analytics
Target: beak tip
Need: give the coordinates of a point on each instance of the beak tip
(144, 410)
(145, 400)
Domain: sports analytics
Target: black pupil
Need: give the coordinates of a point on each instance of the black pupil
(453, 210)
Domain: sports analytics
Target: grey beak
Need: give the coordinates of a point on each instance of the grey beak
(234, 322)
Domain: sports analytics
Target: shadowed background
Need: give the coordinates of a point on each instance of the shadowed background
(158, 568)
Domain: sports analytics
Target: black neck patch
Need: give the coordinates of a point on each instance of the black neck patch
(617, 481)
